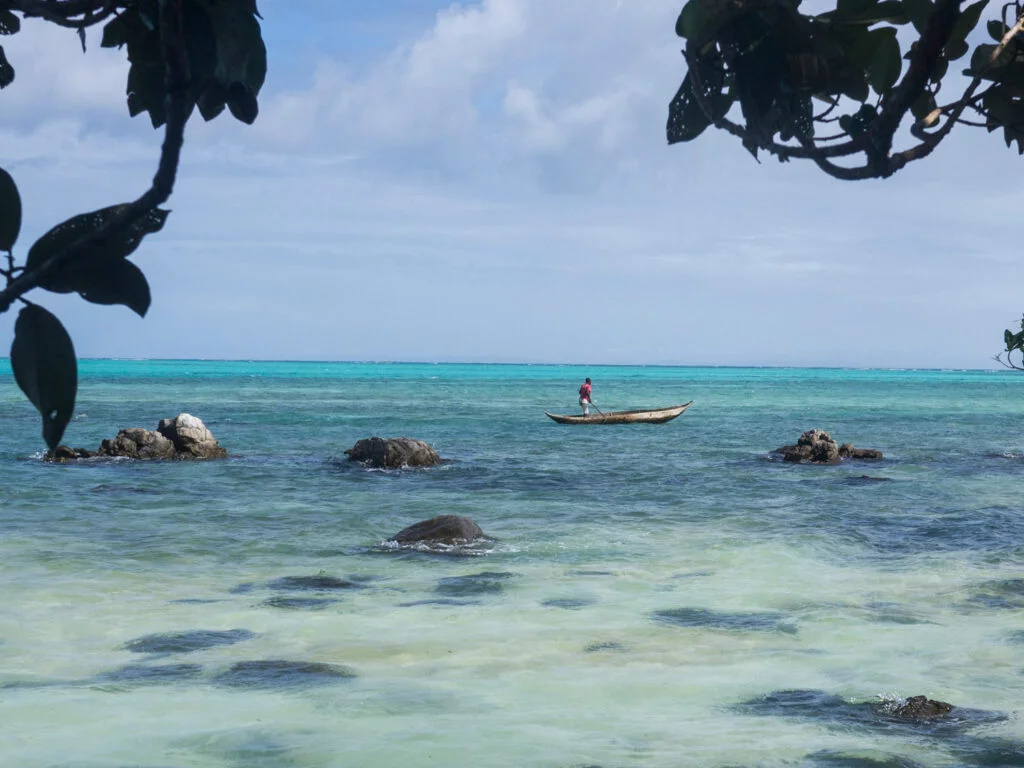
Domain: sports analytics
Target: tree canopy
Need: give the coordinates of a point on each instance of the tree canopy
(836, 86)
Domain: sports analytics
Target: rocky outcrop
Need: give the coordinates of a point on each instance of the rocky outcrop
(63, 454)
(138, 443)
(393, 452)
(922, 708)
(190, 437)
(183, 437)
(445, 529)
(816, 446)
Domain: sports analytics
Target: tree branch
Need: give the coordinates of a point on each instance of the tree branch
(62, 12)
(968, 98)
(175, 77)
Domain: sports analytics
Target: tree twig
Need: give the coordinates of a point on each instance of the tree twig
(175, 77)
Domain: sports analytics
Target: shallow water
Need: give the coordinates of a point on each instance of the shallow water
(651, 594)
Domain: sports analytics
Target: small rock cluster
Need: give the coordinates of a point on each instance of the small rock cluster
(393, 453)
(183, 437)
(816, 446)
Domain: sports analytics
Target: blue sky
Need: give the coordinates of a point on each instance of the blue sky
(490, 182)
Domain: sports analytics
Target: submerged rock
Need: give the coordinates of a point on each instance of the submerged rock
(188, 641)
(278, 673)
(816, 446)
(183, 437)
(444, 529)
(393, 453)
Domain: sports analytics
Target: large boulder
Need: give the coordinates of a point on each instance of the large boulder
(138, 443)
(191, 437)
(183, 437)
(444, 529)
(393, 452)
(816, 446)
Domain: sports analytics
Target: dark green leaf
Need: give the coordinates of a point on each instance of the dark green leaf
(691, 20)
(852, 8)
(918, 11)
(10, 211)
(117, 31)
(965, 23)
(956, 49)
(996, 30)
(146, 92)
(686, 120)
(75, 275)
(212, 100)
(1008, 339)
(890, 11)
(115, 282)
(981, 64)
(6, 70)
(9, 23)
(81, 38)
(885, 66)
(241, 54)
(242, 103)
(43, 360)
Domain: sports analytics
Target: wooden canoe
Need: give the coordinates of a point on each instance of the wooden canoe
(643, 416)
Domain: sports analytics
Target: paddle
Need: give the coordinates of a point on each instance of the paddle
(597, 409)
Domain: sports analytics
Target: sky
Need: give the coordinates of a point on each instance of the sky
(490, 182)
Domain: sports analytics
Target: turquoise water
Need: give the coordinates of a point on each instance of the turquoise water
(653, 595)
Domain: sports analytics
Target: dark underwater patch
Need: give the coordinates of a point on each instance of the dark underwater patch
(857, 480)
(439, 601)
(243, 588)
(187, 642)
(194, 601)
(893, 613)
(606, 646)
(483, 583)
(294, 603)
(147, 674)
(830, 759)
(319, 582)
(278, 673)
(568, 603)
(1002, 594)
(701, 617)
(1016, 637)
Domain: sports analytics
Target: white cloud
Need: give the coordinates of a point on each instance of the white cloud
(54, 78)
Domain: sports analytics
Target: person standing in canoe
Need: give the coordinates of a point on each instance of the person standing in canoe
(585, 397)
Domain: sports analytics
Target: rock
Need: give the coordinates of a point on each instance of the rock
(921, 707)
(817, 446)
(393, 452)
(191, 437)
(138, 443)
(183, 437)
(865, 453)
(63, 454)
(445, 529)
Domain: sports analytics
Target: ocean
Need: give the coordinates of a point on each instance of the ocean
(652, 596)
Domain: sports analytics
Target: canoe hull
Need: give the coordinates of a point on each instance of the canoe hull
(644, 416)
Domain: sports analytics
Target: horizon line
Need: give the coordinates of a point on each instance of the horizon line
(527, 364)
